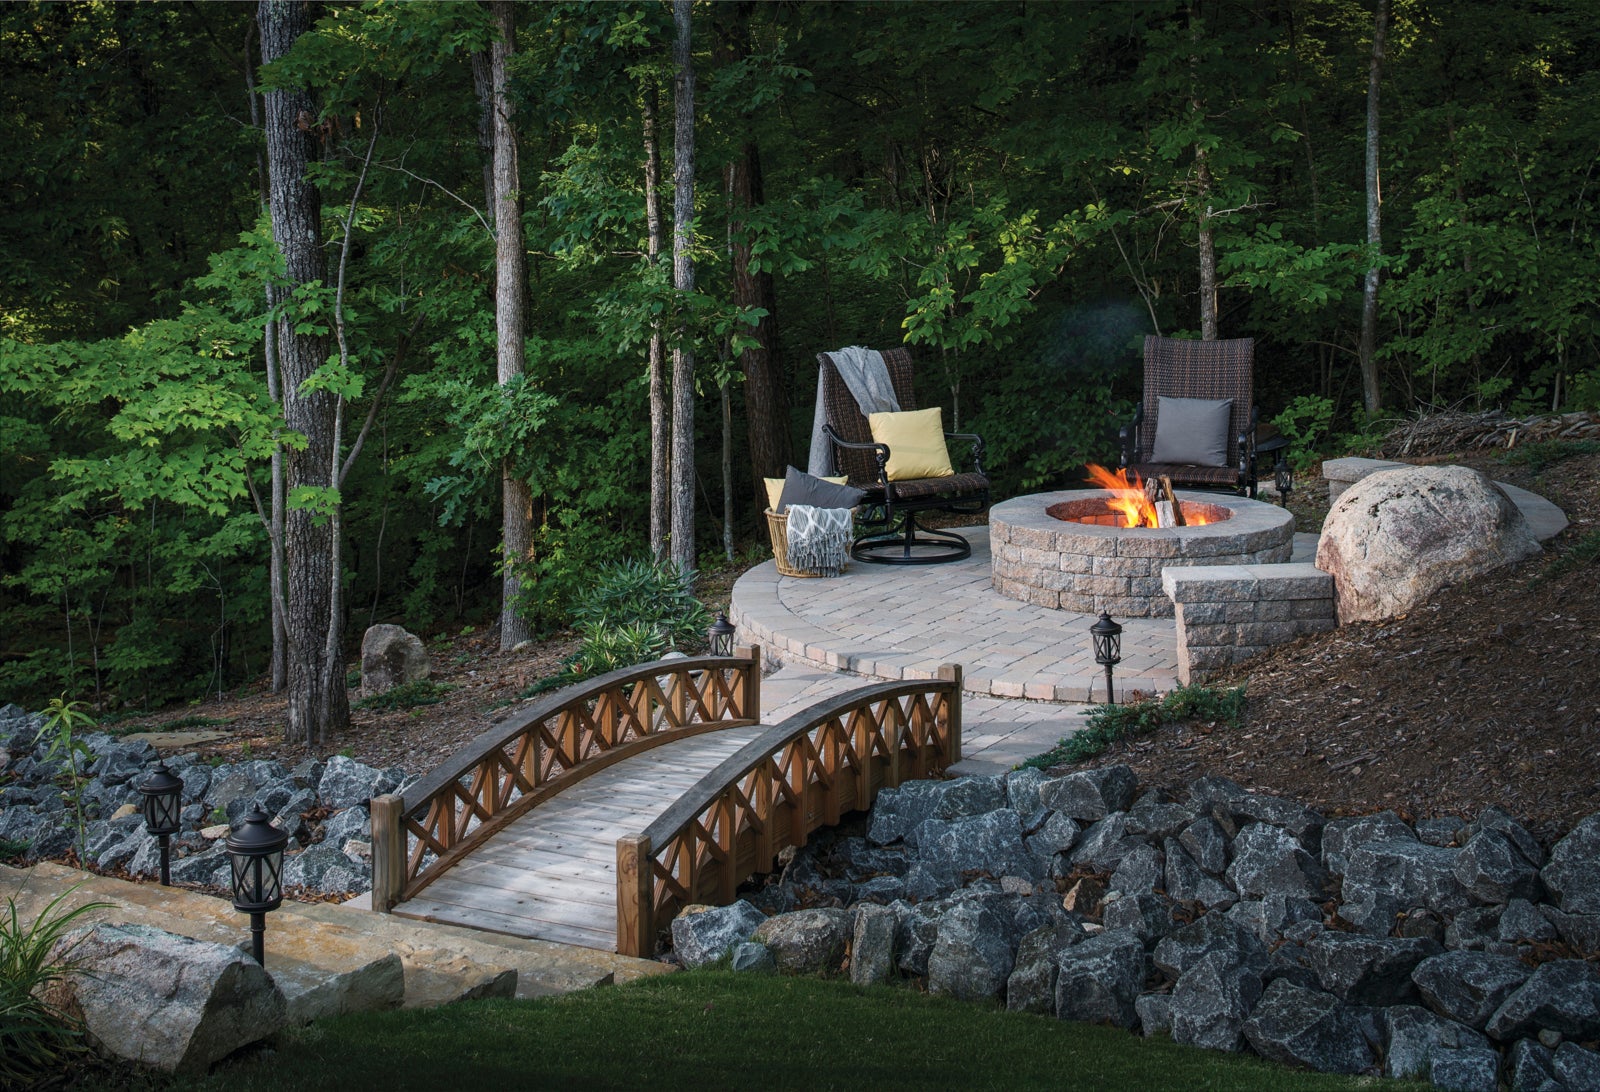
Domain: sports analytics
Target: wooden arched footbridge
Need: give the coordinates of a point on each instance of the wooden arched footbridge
(595, 815)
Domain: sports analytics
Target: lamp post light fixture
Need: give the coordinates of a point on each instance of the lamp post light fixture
(256, 850)
(1107, 649)
(163, 806)
(720, 635)
(1283, 480)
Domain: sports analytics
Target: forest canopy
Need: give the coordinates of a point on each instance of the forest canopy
(1018, 191)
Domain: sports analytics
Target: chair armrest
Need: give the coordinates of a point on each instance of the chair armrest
(978, 449)
(879, 451)
(1128, 438)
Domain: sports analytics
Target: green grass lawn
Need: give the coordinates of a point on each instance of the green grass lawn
(717, 1030)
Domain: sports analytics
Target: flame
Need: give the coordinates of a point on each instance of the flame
(1129, 499)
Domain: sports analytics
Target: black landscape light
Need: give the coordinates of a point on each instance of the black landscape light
(720, 635)
(1107, 649)
(1283, 480)
(256, 850)
(163, 805)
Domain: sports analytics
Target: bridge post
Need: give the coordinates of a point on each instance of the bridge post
(388, 852)
(952, 672)
(752, 684)
(636, 897)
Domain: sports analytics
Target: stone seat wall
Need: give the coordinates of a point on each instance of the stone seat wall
(1228, 613)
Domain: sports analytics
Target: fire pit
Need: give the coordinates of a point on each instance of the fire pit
(1074, 550)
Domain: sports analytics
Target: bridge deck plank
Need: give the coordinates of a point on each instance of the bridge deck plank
(551, 875)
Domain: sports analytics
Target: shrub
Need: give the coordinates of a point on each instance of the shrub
(1109, 723)
(35, 1038)
(407, 695)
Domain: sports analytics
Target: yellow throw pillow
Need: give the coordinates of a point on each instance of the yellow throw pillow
(916, 443)
(775, 488)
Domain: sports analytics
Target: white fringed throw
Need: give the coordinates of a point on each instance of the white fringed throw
(819, 538)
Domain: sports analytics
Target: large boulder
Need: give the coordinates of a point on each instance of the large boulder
(989, 843)
(1414, 1035)
(972, 957)
(704, 934)
(1098, 980)
(1562, 995)
(1268, 859)
(808, 941)
(166, 1001)
(391, 657)
(1212, 1000)
(1366, 969)
(1091, 794)
(898, 812)
(1573, 874)
(872, 945)
(1032, 985)
(1397, 536)
(1468, 987)
(1300, 1026)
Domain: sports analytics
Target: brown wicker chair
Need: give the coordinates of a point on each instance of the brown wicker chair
(890, 532)
(1197, 369)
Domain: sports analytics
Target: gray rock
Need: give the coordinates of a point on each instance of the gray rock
(1211, 1002)
(1582, 931)
(112, 843)
(1157, 819)
(165, 1001)
(1057, 835)
(989, 843)
(1341, 837)
(1091, 794)
(1267, 918)
(1449, 831)
(1207, 843)
(1469, 1069)
(1412, 873)
(872, 945)
(807, 941)
(1099, 979)
(1187, 883)
(1208, 934)
(1523, 923)
(1497, 818)
(1104, 844)
(972, 957)
(1494, 870)
(1140, 872)
(346, 783)
(1573, 874)
(391, 657)
(200, 868)
(1413, 1034)
(327, 870)
(1022, 797)
(19, 729)
(704, 934)
(1299, 1026)
(898, 811)
(1155, 1012)
(880, 889)
(1468, 987)
(1368, 970)
(1562, 995)
(1147, 915)
(339, 828)
(916, 932)
(308, 774)
(1421, 922)
(1269, 859)
(196, 779)
(749, 956)
(1473, 927)
(1576, 1067)
(242, 780)
(1205, 792)
(1032, 985)
(1529, 1065)
(1304, 823)
(119, 763)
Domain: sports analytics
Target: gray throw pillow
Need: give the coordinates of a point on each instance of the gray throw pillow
(801, 488)
(1192, 431)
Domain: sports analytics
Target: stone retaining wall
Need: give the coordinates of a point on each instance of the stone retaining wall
(1228, 613)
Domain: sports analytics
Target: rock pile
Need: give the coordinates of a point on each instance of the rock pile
(323, 806)
(1445, 949)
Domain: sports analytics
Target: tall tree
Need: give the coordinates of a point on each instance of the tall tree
(683, 282)
(318, 702)
(660, 415)
(510, 289)
(1371, 393)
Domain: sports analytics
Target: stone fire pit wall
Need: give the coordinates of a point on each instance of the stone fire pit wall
(1089, 568)
(1228, 613)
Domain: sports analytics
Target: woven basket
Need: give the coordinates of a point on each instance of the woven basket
(778, 531)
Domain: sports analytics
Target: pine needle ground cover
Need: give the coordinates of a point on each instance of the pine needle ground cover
(710, 1030)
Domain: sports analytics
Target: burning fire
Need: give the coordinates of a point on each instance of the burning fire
(1130, 499)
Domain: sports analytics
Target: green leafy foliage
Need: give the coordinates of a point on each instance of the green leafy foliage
(36, 1039)
(65, 722)
(1107, 724)
(1305, 422)
(407, 696)
(1540, 457)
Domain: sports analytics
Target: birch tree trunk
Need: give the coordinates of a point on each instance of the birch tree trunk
(1371, 393)
(683, 282)
(510, 289)
(660, 469)
(318, 702)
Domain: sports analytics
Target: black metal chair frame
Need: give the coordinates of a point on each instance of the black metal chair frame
(1197, 369)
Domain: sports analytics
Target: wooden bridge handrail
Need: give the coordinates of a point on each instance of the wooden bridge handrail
(522, 760)
(731, 815)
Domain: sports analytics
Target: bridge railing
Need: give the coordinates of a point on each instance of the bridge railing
(561, 739)
(775, 790)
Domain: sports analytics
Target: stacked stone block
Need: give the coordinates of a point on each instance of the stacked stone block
(1228, 613)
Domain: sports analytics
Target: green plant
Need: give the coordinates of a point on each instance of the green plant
(219, 816)
(1109, 723)
(1586, 551)
(643, 592)
(1304, 421)
(407, 695)
(1539, 457)
(12, 850)
(36, 1038)
(63, 720)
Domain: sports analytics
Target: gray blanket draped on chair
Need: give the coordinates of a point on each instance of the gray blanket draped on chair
(867, 378)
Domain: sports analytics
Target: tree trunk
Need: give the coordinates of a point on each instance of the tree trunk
(510, 287)
(660, 472)
(683, 282)
(483, 87)
(1370, 391)
(318, 702)
(1202, 180)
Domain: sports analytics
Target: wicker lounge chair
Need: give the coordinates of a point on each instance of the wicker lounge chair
(890, 533)
(1208, 370)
